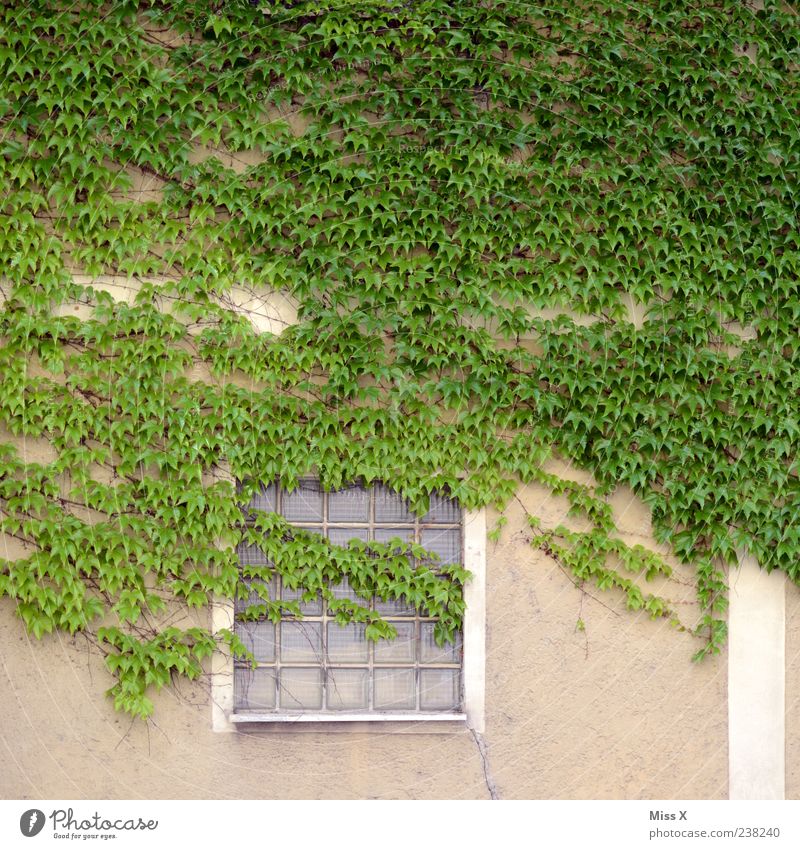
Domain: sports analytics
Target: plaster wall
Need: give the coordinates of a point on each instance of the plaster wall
(614, 711)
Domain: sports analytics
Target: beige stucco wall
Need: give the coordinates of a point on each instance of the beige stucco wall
(616, 711)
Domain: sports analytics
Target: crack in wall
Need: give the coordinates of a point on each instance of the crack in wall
(483, 751)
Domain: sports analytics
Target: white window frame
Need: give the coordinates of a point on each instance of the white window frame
(225, 719)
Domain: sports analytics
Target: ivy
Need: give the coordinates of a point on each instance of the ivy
(509, 234)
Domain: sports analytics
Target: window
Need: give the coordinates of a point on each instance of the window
(312, 668)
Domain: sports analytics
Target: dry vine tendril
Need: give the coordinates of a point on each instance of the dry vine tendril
(428, 178)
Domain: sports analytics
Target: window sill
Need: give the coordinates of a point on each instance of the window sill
(241, 718)
(348, 723)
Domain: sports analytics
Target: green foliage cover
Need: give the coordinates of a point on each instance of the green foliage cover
(429, 182)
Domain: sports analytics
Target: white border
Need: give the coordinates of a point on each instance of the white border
(243, 718)
(222, 669)
(223, 718)
(475, 619)
(756, 682)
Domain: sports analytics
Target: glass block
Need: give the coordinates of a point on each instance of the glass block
(266, 500)
(307, 608)
(347, 643)
(439, 689)
(253, 597)
(395, 689)
(342, 536)
(394, 607)
(390, 507)
(431, 653)
(387, 534)
(300, 689)
(402, 649)
(301, 641)
(347, 689)
(345, 591)
(442, 510)
(349, 505)
(251, 555)
(445, 542)
(259, 638)
(303, 504)
(254, 689)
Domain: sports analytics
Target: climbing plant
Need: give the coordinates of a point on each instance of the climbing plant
(509, 231)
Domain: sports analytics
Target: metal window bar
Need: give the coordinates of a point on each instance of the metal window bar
(419, 666)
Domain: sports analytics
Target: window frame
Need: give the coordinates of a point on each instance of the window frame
(226, 719)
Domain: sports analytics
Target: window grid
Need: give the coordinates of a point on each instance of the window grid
(414, 526)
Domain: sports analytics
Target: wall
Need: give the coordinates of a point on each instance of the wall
(611, 710)
(615, 711)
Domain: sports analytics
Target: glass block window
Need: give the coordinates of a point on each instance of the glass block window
(314, 665)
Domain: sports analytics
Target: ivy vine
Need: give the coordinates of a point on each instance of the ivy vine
(510, 232)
